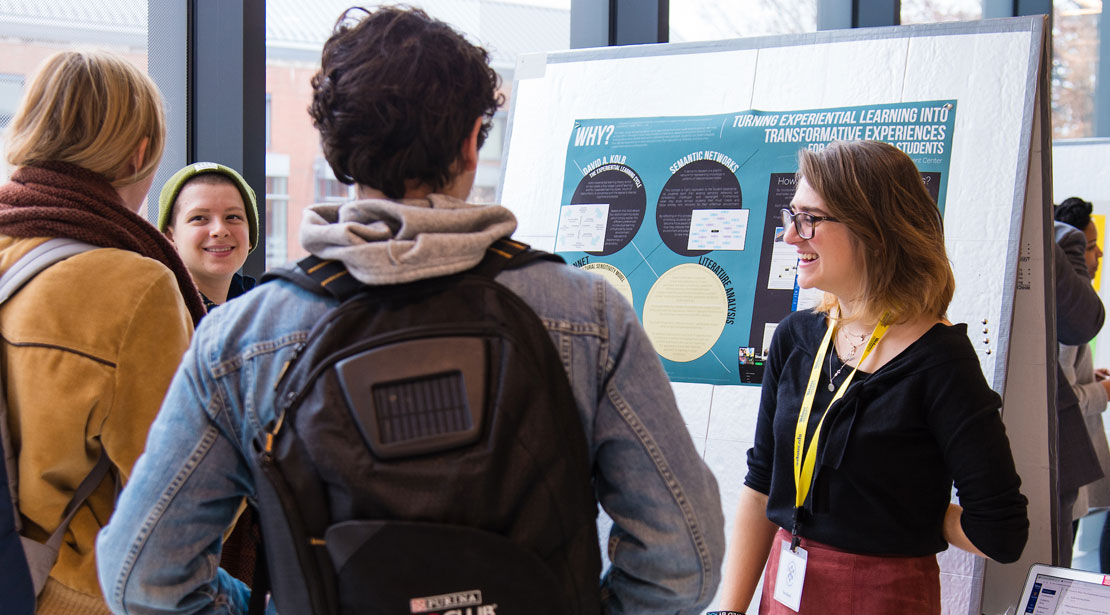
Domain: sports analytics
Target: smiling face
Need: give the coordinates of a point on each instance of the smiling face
(211, 233)
(830, 260)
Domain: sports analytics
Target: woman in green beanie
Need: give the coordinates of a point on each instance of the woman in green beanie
(209, 212)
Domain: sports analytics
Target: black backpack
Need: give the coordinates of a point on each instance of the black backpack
(427, 455)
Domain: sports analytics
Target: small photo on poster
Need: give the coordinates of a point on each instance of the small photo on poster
(784, 264)
(582, 227)
(768, 333)
(750, 364)
(717, 229)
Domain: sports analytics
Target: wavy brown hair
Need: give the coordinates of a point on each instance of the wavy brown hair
(396, 97)
(876, 191)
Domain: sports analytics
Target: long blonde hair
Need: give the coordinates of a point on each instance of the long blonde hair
(91, 109)
(877, 192)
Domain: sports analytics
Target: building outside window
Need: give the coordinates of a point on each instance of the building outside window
(269, 119)
(11, 90)
(277, 203)
(1075, 44)
(277, 209)
(328, 188)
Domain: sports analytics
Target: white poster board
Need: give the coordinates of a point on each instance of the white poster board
(990, 68)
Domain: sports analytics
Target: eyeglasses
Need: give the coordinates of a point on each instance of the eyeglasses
(803, 222)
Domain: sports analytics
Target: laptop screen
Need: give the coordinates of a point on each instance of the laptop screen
(1051, 594)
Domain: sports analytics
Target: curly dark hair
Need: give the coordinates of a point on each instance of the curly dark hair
(396, 97)
(1074, 211)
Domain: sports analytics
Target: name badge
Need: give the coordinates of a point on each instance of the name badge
(790, 576)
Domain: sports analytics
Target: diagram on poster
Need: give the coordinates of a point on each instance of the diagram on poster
(582, 227)
(683, 216)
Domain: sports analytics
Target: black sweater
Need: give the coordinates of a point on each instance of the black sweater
(890, 448)
(239, 285)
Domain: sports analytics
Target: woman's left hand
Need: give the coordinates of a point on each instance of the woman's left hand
(954, 532)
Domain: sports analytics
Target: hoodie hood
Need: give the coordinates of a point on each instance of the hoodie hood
(393, 242)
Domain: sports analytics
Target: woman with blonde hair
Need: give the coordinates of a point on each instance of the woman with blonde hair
(89, 346)
(872, 405)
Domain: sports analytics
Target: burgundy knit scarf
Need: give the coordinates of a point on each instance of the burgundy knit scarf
(57, 199)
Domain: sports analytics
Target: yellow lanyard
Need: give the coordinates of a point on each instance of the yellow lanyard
(806, 458)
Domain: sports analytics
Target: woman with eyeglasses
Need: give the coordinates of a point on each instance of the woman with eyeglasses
(873, 404)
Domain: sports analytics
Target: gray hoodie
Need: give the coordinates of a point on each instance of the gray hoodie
(393, 242)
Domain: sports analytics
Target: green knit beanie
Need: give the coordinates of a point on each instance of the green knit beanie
(174, 185)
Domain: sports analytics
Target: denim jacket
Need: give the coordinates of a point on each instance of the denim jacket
(160, 552)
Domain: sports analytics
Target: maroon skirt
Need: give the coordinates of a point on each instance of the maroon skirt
(839, 583)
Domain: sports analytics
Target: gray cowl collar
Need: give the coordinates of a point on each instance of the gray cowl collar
(393, 242)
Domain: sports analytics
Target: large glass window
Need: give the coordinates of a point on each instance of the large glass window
(932, 11)
(1075, 43)
(277, 209)
(328, 188)
(269, 121)
(295, 34)
(710, 20)
(11, 89)
(277, 218)
(32, 29)
(489, 162)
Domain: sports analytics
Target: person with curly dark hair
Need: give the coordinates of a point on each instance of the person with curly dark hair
(1091, 388)
(1076, 212)
(415, 107)
(1079, 317)
(403, 102)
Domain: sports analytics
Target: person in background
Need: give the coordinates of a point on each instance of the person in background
(403, 102)
(1092, 388)
(89, 346)
(210, 214)
(879, 400)
(1079, 317)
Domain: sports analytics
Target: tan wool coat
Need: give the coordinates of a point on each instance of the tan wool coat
(88, 349)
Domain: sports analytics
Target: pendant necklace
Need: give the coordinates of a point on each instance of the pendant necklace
(851, 355)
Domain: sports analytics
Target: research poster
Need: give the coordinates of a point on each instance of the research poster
(683, 216)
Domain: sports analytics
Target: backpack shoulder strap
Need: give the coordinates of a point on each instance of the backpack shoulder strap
(84, 490)
(27, 267)
(506, 253)
(290, 273)
(331, 277)
(40, 257)
(316, 275)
